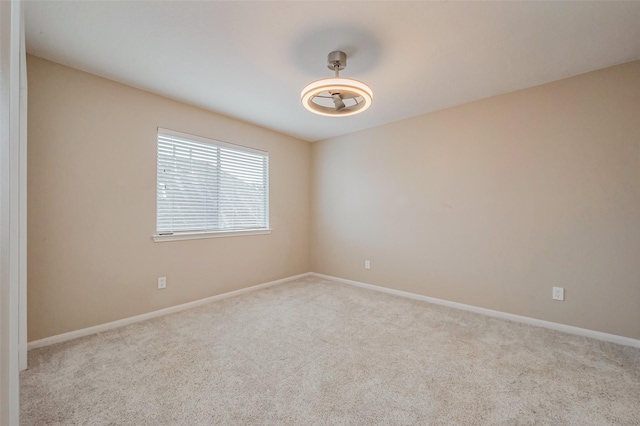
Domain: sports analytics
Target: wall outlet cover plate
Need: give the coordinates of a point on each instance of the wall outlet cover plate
(558, 293)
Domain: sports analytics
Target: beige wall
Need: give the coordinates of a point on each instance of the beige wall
(91, 205)
(494, 202)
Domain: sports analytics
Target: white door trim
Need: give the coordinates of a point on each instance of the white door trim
(11, 31)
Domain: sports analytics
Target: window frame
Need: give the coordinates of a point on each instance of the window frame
(199, 234)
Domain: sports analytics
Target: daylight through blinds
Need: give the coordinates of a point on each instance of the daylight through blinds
(205, 185)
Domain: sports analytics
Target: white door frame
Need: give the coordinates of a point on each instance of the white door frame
(12, 225)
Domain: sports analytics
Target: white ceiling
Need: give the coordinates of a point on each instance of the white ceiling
(250, 60)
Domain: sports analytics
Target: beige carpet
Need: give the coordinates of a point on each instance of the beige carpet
(318, 352)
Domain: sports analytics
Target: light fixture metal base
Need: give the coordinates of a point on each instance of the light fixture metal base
(336, 60)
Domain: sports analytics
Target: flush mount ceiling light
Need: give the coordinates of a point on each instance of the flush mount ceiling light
(336, 97)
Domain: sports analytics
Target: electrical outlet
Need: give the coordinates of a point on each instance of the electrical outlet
(162, 282)
(558, 293)
(367, 264)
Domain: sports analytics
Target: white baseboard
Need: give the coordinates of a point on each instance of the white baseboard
(627, 341)
(126, 321)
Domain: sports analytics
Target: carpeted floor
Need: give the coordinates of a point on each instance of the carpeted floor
(313, 352)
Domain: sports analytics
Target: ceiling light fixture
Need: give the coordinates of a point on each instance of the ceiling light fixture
(338, 96)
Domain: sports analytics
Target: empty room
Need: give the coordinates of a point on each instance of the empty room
(319, 212)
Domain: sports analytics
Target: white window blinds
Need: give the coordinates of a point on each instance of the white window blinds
(206, 185)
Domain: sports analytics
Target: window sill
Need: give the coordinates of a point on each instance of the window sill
(209, 234)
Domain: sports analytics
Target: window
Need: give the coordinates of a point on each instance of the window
(209, 188)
